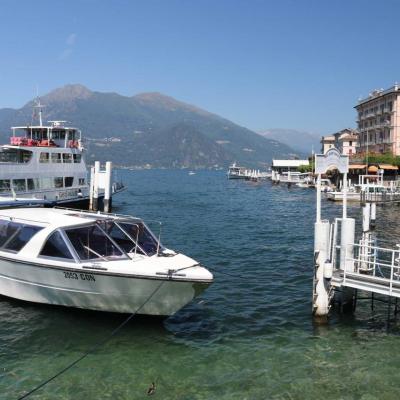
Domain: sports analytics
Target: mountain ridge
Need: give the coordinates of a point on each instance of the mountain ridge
(139, 124)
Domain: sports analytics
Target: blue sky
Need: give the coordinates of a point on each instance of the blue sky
(262, 64)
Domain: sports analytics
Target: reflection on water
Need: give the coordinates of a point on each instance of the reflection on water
(249, 336)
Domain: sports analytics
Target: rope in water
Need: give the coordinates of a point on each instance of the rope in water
(93, 348)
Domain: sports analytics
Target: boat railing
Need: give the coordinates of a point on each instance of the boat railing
(11, 218)
(77, 210)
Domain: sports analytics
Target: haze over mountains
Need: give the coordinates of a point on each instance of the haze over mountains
(303, 142)
(149, 130)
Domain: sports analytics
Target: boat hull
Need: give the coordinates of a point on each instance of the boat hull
(95, 290)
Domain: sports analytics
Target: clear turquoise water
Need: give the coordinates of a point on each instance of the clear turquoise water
(250, 336)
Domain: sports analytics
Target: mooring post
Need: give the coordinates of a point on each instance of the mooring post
(321, 252)
(96, 186)
(107, 188)
(373, 215)
(91, 189)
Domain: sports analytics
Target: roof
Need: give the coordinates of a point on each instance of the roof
(328, 138)
(45, 127)
(348, 136)
(54, 217)
(379, 93)
(289, 163)
(357, 166)
(388, 167)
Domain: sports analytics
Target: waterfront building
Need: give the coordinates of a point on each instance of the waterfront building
(281, 166)
(346, 141)
(379, 121)
(327, 142)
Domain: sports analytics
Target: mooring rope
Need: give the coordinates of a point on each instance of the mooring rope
(93, 348)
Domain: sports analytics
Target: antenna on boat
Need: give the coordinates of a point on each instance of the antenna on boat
(39, 107)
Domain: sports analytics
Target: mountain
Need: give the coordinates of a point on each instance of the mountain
(149, 129)
(300, 141)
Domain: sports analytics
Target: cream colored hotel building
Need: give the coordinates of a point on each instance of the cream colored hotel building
(379, 122)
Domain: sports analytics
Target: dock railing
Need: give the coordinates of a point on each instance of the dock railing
(379, 263)
(379, 197)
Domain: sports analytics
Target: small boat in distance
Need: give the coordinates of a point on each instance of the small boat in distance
(236, 172)
(94, 261)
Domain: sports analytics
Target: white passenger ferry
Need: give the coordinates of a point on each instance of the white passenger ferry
(45, 162)
(236, 172)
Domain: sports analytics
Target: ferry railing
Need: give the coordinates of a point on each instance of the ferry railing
(376, 262)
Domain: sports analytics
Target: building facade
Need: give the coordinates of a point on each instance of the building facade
(327, 142)
(346, 141)
(379, 121)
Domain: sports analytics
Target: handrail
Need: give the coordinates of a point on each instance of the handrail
(385, 268)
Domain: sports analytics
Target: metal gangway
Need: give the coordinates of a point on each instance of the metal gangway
(370, 268)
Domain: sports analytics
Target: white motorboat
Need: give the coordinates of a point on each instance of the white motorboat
(94, 261)
(46, 162)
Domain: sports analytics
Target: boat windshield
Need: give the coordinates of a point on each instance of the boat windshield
(132, 237)
(92, 243)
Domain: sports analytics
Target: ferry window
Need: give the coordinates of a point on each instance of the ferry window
(5, 185)
(56, 157)
(90, 242)
(77, 158)
(58, 182)
(15, 156)
(14, 236)
(57, 134)
(33, 184)
(81, 181)
(56, 247)
(67, 157)
(46, 183)
(69, 181)
(44, 157)
(19, 185)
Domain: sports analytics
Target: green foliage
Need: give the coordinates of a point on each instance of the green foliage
(306, 168)
(387, 158)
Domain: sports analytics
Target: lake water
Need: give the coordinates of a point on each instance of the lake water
(249, 336)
